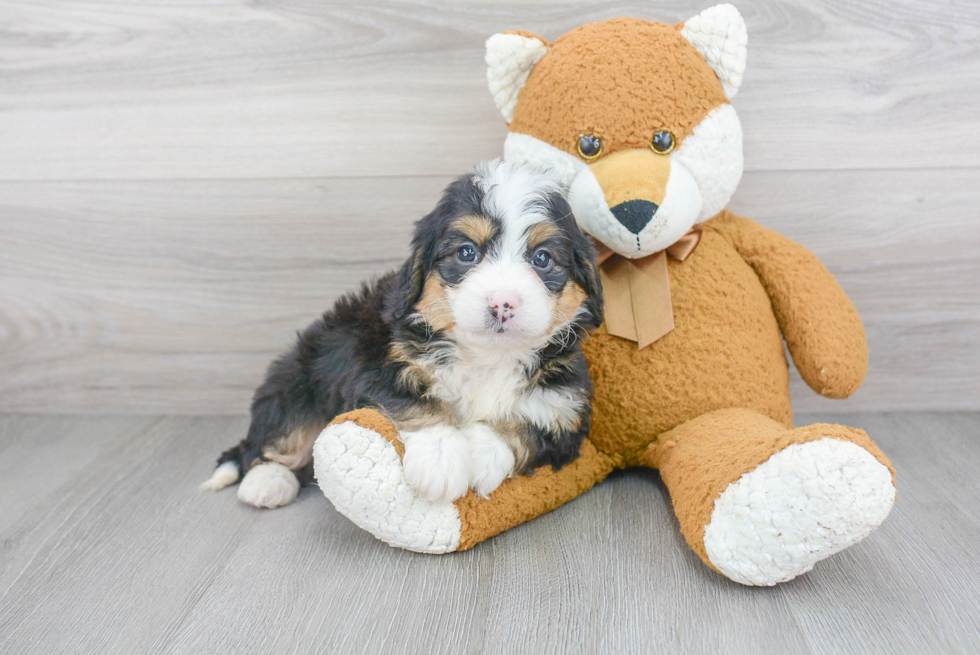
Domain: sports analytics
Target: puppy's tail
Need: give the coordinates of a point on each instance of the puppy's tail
(228, 471)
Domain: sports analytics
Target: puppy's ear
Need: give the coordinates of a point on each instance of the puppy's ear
(414, 272)
(425, 242)
(585, 271)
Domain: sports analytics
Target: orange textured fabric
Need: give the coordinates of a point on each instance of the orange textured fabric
(725, 351)
(823, 331)
(608, 79)
(523, 498)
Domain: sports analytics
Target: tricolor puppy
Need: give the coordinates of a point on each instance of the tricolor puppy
(471, 349)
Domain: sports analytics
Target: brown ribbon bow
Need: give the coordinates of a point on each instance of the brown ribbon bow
(637, 291)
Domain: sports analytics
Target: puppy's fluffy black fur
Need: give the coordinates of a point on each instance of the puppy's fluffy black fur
(346, 359)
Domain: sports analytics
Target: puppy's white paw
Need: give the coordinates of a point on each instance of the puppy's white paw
(268, 485)
(491, 460)
(437, 462)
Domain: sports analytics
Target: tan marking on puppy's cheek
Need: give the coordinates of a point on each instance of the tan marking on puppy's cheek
(541, 232)
(478, 229)
(434, 305)
(572, 298)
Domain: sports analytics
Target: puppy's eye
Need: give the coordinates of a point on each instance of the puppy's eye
(662, 142)
(589, 146)
(541, 259)
(467, 254)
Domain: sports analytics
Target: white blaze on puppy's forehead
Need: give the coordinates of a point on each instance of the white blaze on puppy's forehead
(518, 197)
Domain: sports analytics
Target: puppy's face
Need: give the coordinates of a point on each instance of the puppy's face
(504, 264)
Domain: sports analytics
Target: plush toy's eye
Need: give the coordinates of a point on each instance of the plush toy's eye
(467, 254)
(541, 259)
(589, 146)
(662, 142)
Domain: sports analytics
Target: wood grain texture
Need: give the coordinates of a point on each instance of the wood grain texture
(295, 88)
(166, 296)
(109, 547)
(184, 185)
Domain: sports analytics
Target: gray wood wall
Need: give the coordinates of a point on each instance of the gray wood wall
(183, 185)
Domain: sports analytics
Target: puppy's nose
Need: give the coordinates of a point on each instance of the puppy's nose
(635, 214)
(503, 304)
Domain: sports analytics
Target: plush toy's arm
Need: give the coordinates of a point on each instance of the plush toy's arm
(821, 326)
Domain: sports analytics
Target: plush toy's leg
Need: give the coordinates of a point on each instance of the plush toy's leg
(760, 502)
(357, 462)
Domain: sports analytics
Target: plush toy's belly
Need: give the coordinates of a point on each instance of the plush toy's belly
(726, 350)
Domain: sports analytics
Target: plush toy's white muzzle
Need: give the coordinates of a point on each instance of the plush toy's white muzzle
(705, 169)
(641, 226)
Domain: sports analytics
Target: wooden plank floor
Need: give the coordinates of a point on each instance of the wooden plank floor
(107, 546)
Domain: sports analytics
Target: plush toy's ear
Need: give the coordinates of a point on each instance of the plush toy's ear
(510, 58)
(720, 36)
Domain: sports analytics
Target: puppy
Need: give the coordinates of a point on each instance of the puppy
(471, 349)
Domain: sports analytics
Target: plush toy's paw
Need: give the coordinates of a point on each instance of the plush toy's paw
(805, 503)
(491, 459)
(361, 473)
(437, 462)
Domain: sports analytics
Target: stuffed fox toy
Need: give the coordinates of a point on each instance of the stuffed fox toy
(689, 372)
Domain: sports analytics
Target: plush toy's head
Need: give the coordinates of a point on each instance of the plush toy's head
(632, 116)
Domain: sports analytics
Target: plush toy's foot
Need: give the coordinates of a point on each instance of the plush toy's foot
(357, 460)
(802, 505)
(762, 503)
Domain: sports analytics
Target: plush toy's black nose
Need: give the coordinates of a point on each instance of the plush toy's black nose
(635, 214)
